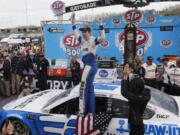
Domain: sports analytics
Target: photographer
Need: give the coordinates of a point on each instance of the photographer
(133, 89)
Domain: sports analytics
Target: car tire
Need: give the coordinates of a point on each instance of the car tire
(20, 127)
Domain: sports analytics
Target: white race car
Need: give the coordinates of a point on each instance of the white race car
(54, 112)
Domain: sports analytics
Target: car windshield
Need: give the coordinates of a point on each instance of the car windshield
(163, 100)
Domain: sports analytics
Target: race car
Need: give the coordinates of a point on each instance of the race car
(54, 112)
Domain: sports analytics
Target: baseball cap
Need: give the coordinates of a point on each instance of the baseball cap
(150, 58)
(86, 28)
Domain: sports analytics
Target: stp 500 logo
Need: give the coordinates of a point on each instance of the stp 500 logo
(71, 45)
(133, 16)
(57, 5)
(166, 43)
(143, 41)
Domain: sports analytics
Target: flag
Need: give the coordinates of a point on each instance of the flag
(102, 120)
(85, 126)
(89, 125)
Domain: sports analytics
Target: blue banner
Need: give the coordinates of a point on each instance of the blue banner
(156, 36)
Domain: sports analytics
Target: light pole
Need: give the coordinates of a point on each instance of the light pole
(26, 6)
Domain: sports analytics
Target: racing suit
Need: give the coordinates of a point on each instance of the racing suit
(90, 68)
(150, 74)
(165, 87)
(174, 80)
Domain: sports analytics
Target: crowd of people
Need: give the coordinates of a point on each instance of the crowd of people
(20, 66)
(165, 79)
(136, 76)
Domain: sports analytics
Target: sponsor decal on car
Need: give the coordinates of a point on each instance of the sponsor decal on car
(163, 129)
(30, 100)
(162, 116)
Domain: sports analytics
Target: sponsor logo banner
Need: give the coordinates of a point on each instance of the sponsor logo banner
(116, 21)
(166, 43)
(143, 40)
(70, 45)
(103, 73)
(150, 19)
(57, 8)
(133, 16)
(82, 6)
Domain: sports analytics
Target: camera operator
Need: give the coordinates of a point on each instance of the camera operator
(133, 89)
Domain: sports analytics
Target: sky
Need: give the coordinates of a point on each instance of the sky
(14, 13)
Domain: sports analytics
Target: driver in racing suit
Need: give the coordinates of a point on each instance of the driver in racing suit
(88, 46)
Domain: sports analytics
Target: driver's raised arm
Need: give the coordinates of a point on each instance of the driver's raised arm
(75, 32)
(101, 37)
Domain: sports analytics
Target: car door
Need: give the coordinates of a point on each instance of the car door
(119, 123)
(61, 119)
(161, 122)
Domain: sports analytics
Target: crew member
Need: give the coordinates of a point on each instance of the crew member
(165, 86)
(150, 72)
(88, 45)
(174, 78)
(42, 67)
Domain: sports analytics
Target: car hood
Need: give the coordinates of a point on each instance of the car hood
(34, 102)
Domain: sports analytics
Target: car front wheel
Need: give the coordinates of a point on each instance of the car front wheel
(18, 127)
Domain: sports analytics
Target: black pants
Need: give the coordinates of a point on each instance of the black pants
(175, 90)
(42, 83)
(136, 129)
(76, 78)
